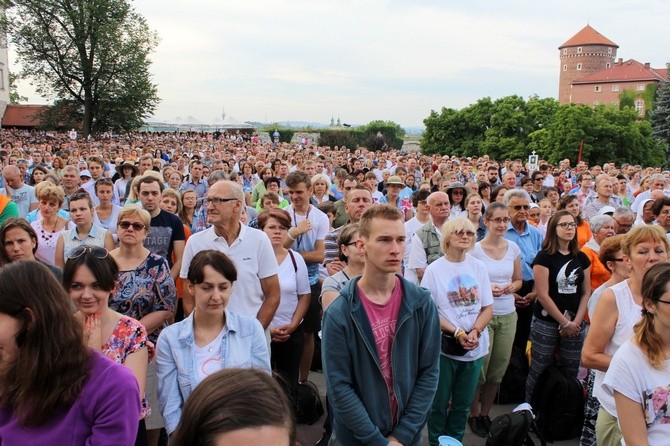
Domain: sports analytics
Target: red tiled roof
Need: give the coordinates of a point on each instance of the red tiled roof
(588, 36)
(20, 115)
(628, 71)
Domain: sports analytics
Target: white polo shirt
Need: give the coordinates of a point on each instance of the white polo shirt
(254, 259)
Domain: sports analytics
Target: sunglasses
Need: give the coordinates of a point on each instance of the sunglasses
(96, 251)
(462, 233)
(518, 207)
(127, 224)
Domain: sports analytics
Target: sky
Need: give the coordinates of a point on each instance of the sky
(302, 60)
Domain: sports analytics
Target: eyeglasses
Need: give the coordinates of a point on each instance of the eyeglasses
(217, 200)
(567, 225)
(136, 226)
(622, 224)
(96, 251)
(518, 207)
(499, 220)
(457, 192)
(462, 233)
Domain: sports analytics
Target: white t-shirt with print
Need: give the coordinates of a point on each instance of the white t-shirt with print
(460, 290)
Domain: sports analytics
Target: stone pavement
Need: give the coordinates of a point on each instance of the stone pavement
(309, 435)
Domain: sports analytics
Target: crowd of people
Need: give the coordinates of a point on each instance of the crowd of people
(178, 273)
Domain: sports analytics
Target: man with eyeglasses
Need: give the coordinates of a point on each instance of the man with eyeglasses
(623, 219)
(529, 240)
(256, 291)
(166, 235)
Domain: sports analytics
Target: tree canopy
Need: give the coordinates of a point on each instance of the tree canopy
(89, 56)
(660, 116)
(511, 127)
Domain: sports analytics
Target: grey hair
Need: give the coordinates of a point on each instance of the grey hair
(216, 176)
(657, 177)
(623, 212)
(236, 189)
(597, 222)
(70, 167)
(515, 193)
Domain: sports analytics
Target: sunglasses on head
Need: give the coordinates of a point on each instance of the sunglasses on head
(96, 251)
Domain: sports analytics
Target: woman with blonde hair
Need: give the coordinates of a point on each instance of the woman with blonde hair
(461, 289)
(638, 377)
(617, 310)
(48, 224)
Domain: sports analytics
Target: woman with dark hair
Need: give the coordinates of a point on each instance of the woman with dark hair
(457, 193)
(89, 277)
(37, 175)
(563, 286)
(259, 188)
(53, 388)
(638, 376)
(286, 326)
(570, 203)
(498, 193)
(19, 241)
(236, 406)
(211, 338)
(484, 191)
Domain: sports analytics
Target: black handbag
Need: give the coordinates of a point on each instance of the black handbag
(452, 346)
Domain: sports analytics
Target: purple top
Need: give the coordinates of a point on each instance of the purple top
(106, 412)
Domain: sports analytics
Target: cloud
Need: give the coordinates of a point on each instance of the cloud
(377, 59)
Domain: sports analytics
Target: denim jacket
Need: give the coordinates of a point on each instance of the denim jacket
(244, 345)
(356, 386)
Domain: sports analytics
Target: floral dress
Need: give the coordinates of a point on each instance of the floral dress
(129, 336)
(144, 290)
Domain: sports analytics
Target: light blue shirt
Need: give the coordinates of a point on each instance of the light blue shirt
(243, 345)
(530, 243)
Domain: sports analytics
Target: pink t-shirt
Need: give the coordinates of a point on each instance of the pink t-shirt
(383, 319)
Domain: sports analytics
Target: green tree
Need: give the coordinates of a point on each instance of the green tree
(391, 133)
(660, 116)
(93, 54)
(14, 95)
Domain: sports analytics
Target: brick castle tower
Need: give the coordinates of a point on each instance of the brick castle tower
(585, 53)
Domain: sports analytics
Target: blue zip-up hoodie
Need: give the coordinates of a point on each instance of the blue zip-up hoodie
(356, 388)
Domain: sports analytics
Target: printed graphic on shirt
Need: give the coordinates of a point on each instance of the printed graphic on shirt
(566, 279)
(656, 405)
(158, 240)
(463, 291)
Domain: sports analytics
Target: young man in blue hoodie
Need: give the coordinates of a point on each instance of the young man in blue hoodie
(381, 344)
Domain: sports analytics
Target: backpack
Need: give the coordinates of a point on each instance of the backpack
(513, 386)
(559, 402)
(308, 405)
(512, 429)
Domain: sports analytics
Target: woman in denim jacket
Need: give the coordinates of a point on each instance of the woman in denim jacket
(209, 340)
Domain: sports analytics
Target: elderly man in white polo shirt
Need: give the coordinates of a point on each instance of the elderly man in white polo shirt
(256, 290)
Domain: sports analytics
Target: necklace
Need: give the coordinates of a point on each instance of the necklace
(46, 234)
